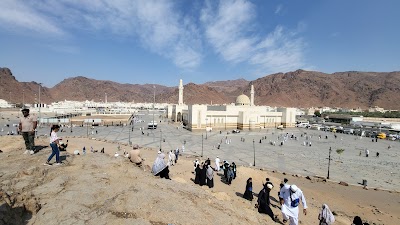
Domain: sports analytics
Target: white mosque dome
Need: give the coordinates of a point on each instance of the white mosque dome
(242, 100)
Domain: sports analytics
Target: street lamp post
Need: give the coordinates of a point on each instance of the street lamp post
(329, 160)
(160, 139)
(130, 129)
(206, 127)
(202, 145)
(154, 102)
(40, 117)
(254, 153)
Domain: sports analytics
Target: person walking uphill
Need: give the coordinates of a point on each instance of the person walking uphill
(27, 126)
(54, 142)
(248, 193)
(326, 217)
(290, 197)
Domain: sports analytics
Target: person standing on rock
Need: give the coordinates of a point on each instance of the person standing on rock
(54, 143)
(176, 155)
(217, 162)
(27, 126)
(203, 174)
(210, 177)
(160, 168)
(171, 158)
(326, 217)
(230, 174)
(290, 199)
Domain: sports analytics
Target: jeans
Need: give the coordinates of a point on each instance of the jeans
(29, 138)
(55, 151)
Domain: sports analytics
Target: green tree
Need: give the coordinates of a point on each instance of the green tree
(339, 151)
(317, 113)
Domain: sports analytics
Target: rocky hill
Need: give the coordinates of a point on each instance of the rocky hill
(295, 89)
(344, 89)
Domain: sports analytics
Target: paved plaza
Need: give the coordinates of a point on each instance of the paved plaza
(293, 157)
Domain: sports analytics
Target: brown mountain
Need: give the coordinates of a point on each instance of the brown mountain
(82, 88)
(19, 92)
(228, 86)
(344, 89)
(296, 89)
(195, 94)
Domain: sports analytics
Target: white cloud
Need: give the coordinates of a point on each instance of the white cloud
(280, 51)
(157, 24)
(15, 14)
(225, 27)
(278, 9)
(229, 29)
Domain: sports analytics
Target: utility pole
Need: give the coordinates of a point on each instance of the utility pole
(130, 128)
(40, 104)
(206, 127)
(329, 160)
(23, 98)
(160, 139)
(202, 135)
(254, 153)
(154, 102)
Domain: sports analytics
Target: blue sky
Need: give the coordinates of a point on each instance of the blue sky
(149, 41)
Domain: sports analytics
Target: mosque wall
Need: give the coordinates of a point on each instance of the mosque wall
(288, 117)
(169, 111)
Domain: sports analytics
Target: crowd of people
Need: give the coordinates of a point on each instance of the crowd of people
(290, 196)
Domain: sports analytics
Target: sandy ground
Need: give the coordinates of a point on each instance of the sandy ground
(101, 189)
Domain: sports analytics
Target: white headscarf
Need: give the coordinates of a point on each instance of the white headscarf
(210, 172)
(326, 214)
(158, 164)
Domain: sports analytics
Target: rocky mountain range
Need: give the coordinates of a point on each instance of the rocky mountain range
(299, 88)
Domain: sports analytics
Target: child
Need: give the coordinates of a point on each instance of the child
(54, 142)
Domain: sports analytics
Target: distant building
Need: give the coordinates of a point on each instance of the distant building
(376, 109)
(5, 104)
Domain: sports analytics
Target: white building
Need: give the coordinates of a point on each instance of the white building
(5, 104)
(242, 115)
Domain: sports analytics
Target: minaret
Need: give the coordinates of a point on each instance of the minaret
(180, 100)
(105, 97)
(252, 96)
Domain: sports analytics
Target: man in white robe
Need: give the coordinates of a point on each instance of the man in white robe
(171, 158)
(291, 196)
(217, 161)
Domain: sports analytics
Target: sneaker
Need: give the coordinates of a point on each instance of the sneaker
(57, 164)
(26, 152)
(47, 164)
(32, 152)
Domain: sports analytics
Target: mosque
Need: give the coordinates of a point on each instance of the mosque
(242, 115)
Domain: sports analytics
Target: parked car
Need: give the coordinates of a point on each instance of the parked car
(348, 131)
(235, 131)
(381, 135)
